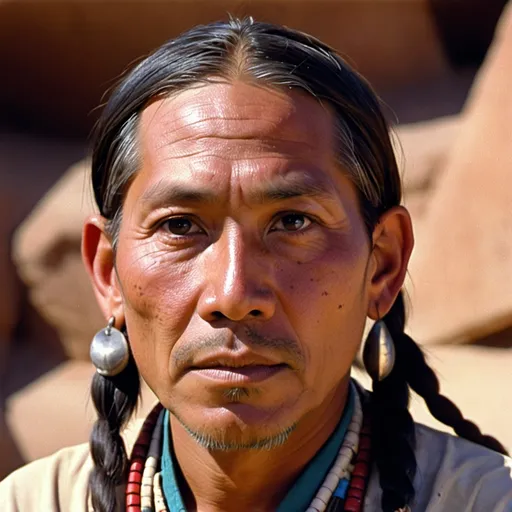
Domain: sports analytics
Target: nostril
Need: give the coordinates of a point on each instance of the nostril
(218, 315)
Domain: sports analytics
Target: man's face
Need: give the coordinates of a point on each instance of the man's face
(242, 261)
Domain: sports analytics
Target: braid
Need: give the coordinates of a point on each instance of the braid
(115, 399)
(393, 427)
(393, 430)
(424, 382)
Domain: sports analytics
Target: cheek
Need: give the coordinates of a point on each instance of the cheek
(153, 285)
(158, 300)
(327, 286)
(327, 300)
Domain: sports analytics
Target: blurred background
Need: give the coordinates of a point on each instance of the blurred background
(444, 71)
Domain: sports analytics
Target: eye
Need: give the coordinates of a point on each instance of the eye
(292, 222)
(181, 226)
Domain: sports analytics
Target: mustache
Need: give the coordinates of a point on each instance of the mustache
(288, 348)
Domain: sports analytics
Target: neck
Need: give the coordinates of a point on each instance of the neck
(214, 481)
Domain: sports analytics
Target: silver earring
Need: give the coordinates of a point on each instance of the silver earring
(109, 350)
(379, 352)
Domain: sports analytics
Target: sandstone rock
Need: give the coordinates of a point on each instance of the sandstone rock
(52, 412)
(49, 262)
(461, 268)
(28, 168)
(56, 410)
(421, 150)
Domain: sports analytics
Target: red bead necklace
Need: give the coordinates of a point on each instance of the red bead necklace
(362, 467)
(137, 460)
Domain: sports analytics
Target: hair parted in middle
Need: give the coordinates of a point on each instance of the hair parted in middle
(276, 57)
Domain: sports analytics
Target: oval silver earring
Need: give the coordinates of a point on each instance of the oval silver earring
(109, 350)
(379, 352)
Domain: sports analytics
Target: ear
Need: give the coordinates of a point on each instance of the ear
(393, 241)
(98, 257)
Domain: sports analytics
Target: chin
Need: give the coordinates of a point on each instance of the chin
(236, 426)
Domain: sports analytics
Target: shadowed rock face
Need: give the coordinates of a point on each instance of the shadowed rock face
(11, 457)
(391, 43)
(50, 264)
(466, 37)
(462, 266)
(28, 168)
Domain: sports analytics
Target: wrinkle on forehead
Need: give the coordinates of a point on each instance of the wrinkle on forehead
(260, 119)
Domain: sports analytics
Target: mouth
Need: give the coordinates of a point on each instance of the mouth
(240, 374)
(237, 370)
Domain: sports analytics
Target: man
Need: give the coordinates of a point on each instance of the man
(250, 223)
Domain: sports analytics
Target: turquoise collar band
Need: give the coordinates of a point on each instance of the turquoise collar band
(169, 482)
(306, 486)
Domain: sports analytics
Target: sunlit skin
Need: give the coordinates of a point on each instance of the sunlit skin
(242, 244)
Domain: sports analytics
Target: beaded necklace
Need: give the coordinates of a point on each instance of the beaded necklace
(343, 488)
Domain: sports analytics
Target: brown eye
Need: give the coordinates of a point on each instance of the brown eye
(181, 226)
(292, 222)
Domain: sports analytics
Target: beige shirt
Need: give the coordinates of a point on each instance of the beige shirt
(453, 475)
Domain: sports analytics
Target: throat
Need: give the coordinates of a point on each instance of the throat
(285, 478)
(214, 481)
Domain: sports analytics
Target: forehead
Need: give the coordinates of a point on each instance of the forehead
(216, 116)
(237, 138)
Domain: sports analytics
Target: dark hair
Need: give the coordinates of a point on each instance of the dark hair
(277, 57)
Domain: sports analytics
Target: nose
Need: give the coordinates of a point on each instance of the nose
(237, 281)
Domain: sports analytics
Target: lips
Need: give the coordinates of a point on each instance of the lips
(244, 368)
(240, 375)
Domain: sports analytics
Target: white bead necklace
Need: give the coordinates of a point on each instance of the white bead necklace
(341, 468)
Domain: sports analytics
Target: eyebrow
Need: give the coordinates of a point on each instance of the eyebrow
(289, 190)
(161, 194)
